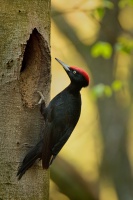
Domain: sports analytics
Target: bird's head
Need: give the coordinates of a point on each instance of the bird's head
(77, 75)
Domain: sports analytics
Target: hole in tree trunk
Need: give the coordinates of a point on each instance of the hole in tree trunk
(35, 70)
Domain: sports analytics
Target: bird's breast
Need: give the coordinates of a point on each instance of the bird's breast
(70, 109)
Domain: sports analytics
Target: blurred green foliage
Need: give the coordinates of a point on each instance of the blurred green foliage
(103, 49)
(124, 3)
(125, 45)
(102, 90)
(108, 4)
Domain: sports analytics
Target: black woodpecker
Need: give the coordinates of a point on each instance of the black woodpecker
(61, 117)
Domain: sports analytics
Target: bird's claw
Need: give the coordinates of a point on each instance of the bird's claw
(41, 99)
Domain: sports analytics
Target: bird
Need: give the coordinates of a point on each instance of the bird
(60, 116)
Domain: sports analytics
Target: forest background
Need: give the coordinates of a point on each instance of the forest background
(97, 161)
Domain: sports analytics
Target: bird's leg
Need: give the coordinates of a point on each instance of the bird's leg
(41, 99)
(42, 102)
(51, 160)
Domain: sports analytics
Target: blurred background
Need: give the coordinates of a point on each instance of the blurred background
(97, 161)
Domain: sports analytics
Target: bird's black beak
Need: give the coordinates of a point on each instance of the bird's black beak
(65, 66)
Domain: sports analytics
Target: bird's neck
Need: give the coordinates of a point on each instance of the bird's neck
(74, 88)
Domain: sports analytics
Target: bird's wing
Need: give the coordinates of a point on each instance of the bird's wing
(56, 133)
(52, 148)
(58, 146)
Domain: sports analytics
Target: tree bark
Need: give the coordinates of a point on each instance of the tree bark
(24, 69)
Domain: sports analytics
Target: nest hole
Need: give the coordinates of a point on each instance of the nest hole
(35, 69)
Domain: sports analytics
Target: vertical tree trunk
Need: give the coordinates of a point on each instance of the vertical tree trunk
(24, 69)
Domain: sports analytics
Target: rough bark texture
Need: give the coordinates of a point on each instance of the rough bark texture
(24, 69)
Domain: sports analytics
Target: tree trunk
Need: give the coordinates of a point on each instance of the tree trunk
(24, 69)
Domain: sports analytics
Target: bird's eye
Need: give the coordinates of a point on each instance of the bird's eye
(74, 72)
